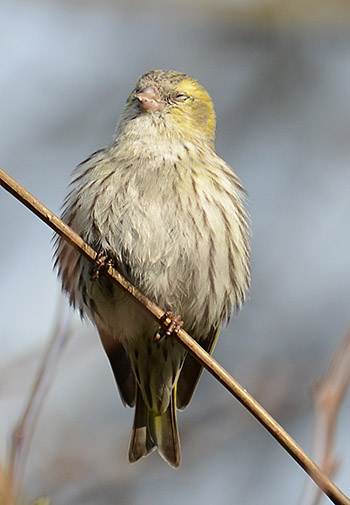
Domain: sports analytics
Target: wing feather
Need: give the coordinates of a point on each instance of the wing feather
(191, 371)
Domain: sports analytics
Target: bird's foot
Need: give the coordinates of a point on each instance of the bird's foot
(101, 261)
(174, 325)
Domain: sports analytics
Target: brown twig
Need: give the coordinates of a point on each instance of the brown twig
(329, 394)
(327, 486)
(24, 431)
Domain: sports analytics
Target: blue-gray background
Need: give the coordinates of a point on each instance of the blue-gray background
(280, 79)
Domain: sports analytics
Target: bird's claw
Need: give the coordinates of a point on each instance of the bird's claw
(101, 261)
(174, 325)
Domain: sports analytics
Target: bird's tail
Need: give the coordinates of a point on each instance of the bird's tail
(153, 430)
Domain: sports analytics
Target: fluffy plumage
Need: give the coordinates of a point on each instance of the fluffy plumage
(169, 211)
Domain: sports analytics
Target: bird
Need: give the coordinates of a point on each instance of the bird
(170, 215)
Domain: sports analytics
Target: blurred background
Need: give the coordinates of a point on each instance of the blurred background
(279, 76)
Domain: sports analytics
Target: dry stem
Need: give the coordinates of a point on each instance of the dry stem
(329, 394)
(24, 431)
(327, 486)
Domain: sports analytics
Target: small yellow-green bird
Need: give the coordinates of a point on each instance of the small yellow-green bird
(169, 213)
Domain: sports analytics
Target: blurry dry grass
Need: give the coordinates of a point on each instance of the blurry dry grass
(5, 491)
(11, 478)
(329, 395)
(315, 13)
(262, 13)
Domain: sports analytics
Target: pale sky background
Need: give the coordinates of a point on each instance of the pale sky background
(280, 81)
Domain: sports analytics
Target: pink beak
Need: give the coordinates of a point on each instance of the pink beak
(149, 99)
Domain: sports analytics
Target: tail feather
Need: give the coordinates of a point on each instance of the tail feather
(152, 429)
(165, 434)
(141, 442)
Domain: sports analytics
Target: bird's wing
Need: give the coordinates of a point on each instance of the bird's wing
(121, 368)
(191, 371)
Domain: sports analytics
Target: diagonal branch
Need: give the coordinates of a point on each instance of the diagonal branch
(276, 430)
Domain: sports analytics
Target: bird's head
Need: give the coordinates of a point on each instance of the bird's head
(175, 100)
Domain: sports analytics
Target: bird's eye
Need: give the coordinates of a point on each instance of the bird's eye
(181, 97)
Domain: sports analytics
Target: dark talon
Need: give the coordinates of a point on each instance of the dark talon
(101, 261)
(175, 324)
